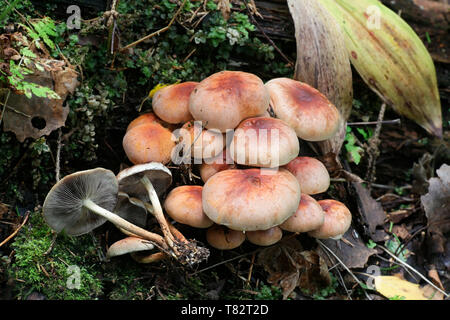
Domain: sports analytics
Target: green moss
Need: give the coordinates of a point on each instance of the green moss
(50, 274)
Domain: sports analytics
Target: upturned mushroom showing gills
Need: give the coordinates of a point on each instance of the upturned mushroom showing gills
(224, 99)
(82, 201)
(312, 175)
(128, 245)
(264, 142)
(309, 112)
(171, 103)
(184, 205)
(149, 142)
(265, 237)
(142, 181)
(337, 220)
(309, 216)
(249, 200)
(222, 238)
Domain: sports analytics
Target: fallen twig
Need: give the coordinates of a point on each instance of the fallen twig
(156, 33)
(414, 270)
(17, 230)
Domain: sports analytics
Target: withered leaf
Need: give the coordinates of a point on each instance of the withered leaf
(436, 204)
(371, 211)
(289, 267)
(21, 115)
(354, 255)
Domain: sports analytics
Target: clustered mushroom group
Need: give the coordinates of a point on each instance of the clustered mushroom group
(256, 186)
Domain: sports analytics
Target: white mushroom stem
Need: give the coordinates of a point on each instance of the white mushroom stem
(157, 210)
(124, 224)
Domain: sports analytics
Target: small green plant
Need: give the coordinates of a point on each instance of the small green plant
(23, 63)
(354, 151)
(371, 244)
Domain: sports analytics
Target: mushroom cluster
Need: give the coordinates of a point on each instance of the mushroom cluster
(256, 185)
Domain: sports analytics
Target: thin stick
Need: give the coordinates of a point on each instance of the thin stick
(58, 155)
(156, 33)
(414, 270)
(373, 148)
(226, 261)
(345, 267)
(266, 36)
(368, 123)
(16, 231)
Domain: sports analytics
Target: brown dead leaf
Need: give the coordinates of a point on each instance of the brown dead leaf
(436, 204)
(371, 211)
(22, 113)
(289, 266)
(354, 254)
(434, 276)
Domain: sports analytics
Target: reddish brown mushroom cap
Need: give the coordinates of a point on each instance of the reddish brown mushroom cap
(337, 220)
(264, 142)
(222, 238)
(203, 144)
(224, 99)
(171, 103)
(304, 108)
(312, 175)
(184, 205)
(309, 216)
(265, 237)
(250, 199)
(143, 119)
(148, 143)
(212, 166)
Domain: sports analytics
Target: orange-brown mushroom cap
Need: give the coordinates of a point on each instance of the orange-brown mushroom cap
(304, 108)
(203, 144)
(184, 205)
(265, 237)
(264, 142)
(310, 173)
(147, 143)
(222, 238)
(250, 199)
(143, 119)
(224, 99)
(309, 216)
(212, 166)
(171, 103)
(337, 220)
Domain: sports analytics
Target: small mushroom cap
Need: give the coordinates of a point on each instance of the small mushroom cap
(130, 179)
(128, 245)
(304, 108)
(171, 103)
(143, 119)
(148, 142)
(264, 142)
(222, 238)
(63, 207)
(131, 210)
(249, 200)
(184, 205)
(265, 237)
(310, 173)
(211, 166)
(204, 144)
(337, 220)
(225, 98)
(309, 216)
